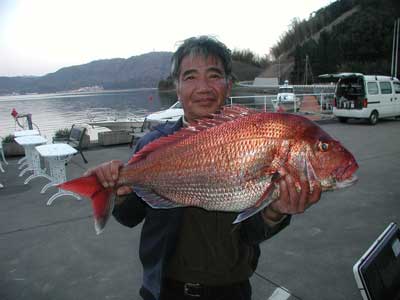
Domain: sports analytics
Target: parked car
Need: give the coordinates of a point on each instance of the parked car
(369, 97)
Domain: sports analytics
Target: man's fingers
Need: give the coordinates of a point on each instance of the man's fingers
(294, 201)
(89, 172)
(283, 190)
(124, 190)
(291, 188)
(107, 173)
(115, 166)
(304, 195)
(283, 204)
(102, 177)
(315, 195)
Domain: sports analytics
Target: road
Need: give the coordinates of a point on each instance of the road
(53, 252)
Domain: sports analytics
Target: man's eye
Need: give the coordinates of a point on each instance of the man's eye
(188, 78)
(215, 76)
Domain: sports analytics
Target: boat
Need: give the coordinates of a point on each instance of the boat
(286, 99)
(171, 114)
(286, 94)
(114, 121)
(108, 118)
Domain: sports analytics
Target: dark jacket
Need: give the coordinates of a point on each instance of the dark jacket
(161, 227)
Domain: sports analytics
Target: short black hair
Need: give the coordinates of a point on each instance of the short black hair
(202, 45)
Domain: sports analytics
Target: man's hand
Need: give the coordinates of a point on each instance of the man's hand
(108, 173)
(290, 201)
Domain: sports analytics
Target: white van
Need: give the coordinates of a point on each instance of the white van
(368, 97)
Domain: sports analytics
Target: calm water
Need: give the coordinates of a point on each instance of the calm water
(51, 112)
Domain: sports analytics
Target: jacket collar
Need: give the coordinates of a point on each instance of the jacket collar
(169, 128)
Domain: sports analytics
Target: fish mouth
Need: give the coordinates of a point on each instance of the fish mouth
(343, 177)
(346, 172)
(347, 182)
(332, 184)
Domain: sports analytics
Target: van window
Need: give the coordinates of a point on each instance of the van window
(372, 88)
(396, 86)
(386, 87)
(286, 90)
(352, 87)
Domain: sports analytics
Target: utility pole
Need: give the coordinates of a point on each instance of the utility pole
(307, 71)
(395, 48)
(279, 70)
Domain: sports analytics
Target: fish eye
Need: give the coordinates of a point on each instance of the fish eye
(323, 146)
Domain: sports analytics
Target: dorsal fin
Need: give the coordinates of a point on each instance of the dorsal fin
(227, 114)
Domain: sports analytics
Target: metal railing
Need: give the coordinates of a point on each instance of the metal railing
(316, 103)
(253, 101)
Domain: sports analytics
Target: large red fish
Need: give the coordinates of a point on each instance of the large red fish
(229, 162)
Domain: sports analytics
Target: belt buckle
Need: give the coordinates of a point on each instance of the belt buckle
(189, 289)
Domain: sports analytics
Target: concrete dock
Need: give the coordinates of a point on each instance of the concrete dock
(52, 252)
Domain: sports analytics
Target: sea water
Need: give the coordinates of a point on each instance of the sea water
(51, 112)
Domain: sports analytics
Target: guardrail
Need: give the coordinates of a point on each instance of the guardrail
(299, 86)
(258, 100)
(313, 103)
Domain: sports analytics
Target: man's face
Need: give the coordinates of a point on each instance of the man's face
(202, 87)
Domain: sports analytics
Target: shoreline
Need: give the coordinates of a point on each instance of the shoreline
(62, 94)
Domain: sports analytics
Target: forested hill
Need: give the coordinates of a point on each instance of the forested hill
(145, 70)
(345, 36)
(118, 73)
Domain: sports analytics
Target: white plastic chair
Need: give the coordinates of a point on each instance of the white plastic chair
(2, 153)
(4, 159)
(2, 170)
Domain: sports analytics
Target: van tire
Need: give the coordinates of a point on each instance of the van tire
(342, 119)
(373, 118)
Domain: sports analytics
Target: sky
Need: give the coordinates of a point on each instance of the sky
(41, 36)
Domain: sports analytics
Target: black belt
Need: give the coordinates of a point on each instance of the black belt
(197, 290)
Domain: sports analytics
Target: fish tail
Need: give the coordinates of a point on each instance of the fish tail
(102, 198)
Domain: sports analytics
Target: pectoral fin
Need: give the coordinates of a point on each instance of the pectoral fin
(154, 200)
(265, 200)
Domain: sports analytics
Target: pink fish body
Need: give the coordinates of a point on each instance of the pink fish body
(227, 163)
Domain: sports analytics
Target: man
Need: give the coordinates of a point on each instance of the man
(190, 253)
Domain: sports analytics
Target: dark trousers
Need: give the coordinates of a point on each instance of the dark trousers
(173, 290)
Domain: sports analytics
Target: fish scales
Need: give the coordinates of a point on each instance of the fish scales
(219, 169)
(231, 163)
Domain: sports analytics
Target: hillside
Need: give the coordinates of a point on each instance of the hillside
(286, 65)
(135, 72)
(345, 36)
(244, 71)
